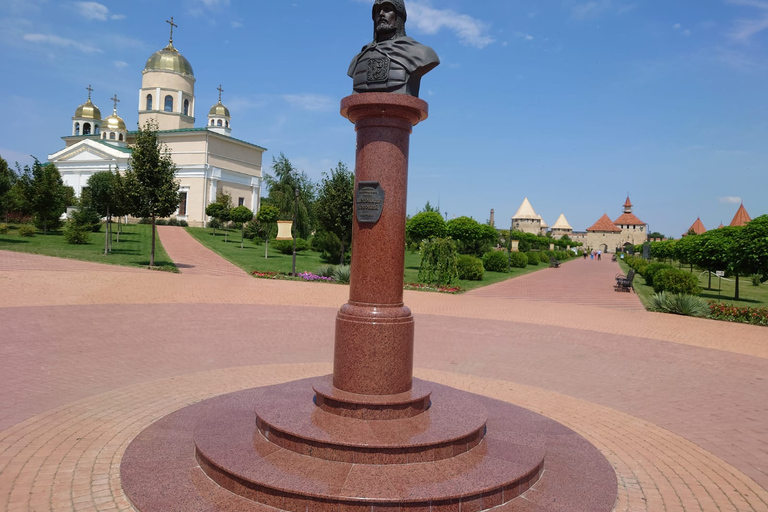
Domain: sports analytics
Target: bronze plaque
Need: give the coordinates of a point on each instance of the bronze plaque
(369, 202)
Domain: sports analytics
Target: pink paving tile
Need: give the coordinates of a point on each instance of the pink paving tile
(191, 257)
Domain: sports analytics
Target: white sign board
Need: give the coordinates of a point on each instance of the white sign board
(720, 273)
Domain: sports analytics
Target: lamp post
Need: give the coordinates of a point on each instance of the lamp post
(295, 218)
(509, 248)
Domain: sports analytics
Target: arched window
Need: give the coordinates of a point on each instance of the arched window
(96, 131)
(120, 138)
(169, 103)
(103, 135)
(77, 128)
(218, 123)
(213, 123)
(112, 136)
(86, 128)
(186, 107)
(226, 123)
(149, 102)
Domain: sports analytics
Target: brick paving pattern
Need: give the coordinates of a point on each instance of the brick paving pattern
(91, 354)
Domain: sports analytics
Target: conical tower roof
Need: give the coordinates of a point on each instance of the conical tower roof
(562, 223)
(526, 211)
(697, 227)
(741, 217)
(604, 223)
(543, 224)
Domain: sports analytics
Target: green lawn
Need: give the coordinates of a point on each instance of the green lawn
(251, 258)
(749, 295)
(132, 251)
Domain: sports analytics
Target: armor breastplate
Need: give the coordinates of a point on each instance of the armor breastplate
(376, 72)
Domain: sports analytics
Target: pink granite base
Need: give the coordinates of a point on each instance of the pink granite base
(211, 456)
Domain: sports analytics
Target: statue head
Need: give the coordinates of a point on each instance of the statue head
(388, 19)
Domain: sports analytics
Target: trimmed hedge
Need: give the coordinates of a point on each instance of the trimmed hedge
(533, 259)
(495, 261)
(519, 260)
(674, 280)
(470, 268)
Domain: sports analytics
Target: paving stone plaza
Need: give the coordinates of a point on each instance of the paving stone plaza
(93, 354)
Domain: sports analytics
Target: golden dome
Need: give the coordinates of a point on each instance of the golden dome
(113, 123)
(88, 111)
(169, 59)
(219, 110)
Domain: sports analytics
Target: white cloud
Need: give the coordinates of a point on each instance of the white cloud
(594, 8)
(236, 24)
(60, 41)
(117, 17)
(427, 19)
(311, 102)
(469, 30)
(119, 64)
(729, 200)
(677, 26)
(213, 4)
(744, 29)
(92, 10)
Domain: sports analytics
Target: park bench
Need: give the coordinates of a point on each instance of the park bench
(624, 283)
(613, 258)
(553, 263)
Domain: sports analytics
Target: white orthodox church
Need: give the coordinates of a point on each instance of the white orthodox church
(208, 159)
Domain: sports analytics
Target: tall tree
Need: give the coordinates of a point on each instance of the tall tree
(282, 183)
(335, 205)
(753, 246)
(120, 201)
(101, 185)
(47, 195)
(6, 182)
(151, 179)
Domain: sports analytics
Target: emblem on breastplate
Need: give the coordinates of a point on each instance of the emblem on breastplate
(378, 69)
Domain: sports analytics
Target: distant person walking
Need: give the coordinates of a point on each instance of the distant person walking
(599, 254)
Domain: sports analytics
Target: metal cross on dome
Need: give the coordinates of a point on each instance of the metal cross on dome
(172, 24)
(220, 91)
(90, 90)
(115, 100)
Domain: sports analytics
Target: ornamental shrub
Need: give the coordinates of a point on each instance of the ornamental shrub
(329, 245)
(286, 246)
(325, 270)
(438, 262)
(674, 280)
(470, 268)
(495, 261)
(342, 273)
(679, 304)
(26, 230)
(650, 270)
(543, 257)
(160, 222)
(76, 234)
(730, 313)
(3, 229)
(533, 259)
(520, 260)
(756, 279)
(183, 223)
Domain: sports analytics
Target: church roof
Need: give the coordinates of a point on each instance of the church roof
(741, 217)
(697, 227)
(628, 203)
(169, 59)
(526, 211)
(604, 224)
(562, 223)
(629, 219)
(543, 224)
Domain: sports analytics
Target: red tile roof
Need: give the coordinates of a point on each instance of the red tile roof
(741, 217)
(697, 227)
(628, 219)
(628, 203)
(605, 224)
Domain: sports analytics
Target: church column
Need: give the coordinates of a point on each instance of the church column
(256, 194)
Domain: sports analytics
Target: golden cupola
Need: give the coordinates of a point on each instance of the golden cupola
(219, 118)
(87, 118)
(167, 94)
(113, 129)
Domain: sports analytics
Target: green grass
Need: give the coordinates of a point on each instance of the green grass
(251, 258)
(132, 251)
(749, 295)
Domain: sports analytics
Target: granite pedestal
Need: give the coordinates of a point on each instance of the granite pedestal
(370, 437)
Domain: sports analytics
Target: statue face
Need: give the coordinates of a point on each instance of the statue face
(385, 20)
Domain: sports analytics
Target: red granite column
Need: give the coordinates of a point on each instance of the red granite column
(373, 352)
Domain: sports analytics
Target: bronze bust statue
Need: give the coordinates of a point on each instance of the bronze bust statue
(393, 62)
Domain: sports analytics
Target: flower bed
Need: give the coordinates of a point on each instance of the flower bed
(730, 313)
(432, 288)
(309, 276)
(268, 275)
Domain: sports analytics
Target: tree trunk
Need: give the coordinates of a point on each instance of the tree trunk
(119, 228)
(736, 295)
(242, 234)
(152, 252)
(266, 248)
(342, 254)
(709, 286)
(106, 235)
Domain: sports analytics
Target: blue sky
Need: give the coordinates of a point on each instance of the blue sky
(571, 103)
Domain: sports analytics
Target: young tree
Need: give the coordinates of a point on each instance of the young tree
(715, 250)
(752, 252)
(101, 185)
(47, 195)
(120, 203)
(151, 179)
(335, 205)
(471, 236)
(241, 215)
(282, 185)
(6, 182)
(265, 219)
(214, 211)
(424, 226)
(429, 208)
